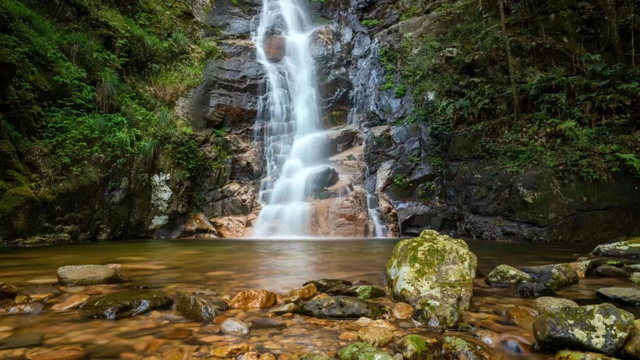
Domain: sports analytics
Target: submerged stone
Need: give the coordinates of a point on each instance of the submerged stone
(553, 276)
(627, 296)
(199, 308)
(81, 275)
(599, 328)
(547, 304)
(338, 307)
(39, 293)
(628, 249)
(434, 273)
(375, 336)
(10, 308)
(505, 275)
(412, 347)
(124, 304)
(453, 347)
(362, 351)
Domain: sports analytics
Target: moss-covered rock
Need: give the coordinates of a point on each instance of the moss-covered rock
(628, 249)
(635, 278)
(455, 348)
(338, 307)
(199, 308)
(83, 275)
(325, 284)
(627, 296)
(434, 273)
(362, 351)
(548, 304)
(414, 347)
(553, 276)
(316, 357)
(578, 355)
(632, 346)
(505, 275)
(611, 272)
(364, 292)
(598, 328)
(124, 304)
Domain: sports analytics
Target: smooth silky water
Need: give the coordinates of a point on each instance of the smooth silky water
(228, 266)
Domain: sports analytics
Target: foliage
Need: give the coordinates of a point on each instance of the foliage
(370, 23)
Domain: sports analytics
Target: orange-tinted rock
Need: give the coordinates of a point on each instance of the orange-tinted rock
(177, 333)
(71, 302)
(579, 268)
(303, 293)
(231, 350)
(197, 225)
(519, 313)
(342, 217)
(402, 311)
(7, 291)
(274, 47)
(62, 354)
(267, 356)
(348, 336)
(248, 299)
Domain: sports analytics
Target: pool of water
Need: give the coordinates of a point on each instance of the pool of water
(228, 266)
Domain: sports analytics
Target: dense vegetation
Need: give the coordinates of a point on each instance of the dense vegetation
(87, 87)
(551, 83)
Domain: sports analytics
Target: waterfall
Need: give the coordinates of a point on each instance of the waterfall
(288, 119)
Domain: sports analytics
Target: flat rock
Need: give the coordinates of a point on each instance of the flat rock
(21, 340)
(532, 290)
(553, 276)
(627, 296)
(547, 304)
(199, 308)
(505, 275)
(338, 307)
(283, 309)
(375, 336)
(234, 326)
(611, 271)
(75, 353)
(628, 249)
(598, 328)
(81, 275)
(124, 304)
(71, 302)
(248, 299)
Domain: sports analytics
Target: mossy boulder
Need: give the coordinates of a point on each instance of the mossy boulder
(599, 328)
(82, 275)
(548, 304)
(199, 308)
(553, 276)
(323, 285)
(627, 296)
(635, 278)
(434, 273)
(453, 347)
(338, 307)
(505, 275)
(628, 249)
(578, 355)
(362, 351)
(414, 347)
(124, 304)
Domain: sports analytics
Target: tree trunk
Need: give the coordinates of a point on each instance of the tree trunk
(614, 30)
(512, 71)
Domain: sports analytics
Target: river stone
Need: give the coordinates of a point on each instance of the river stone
(599, 328)
(231, 350)
(7, 291)
(81, 275)
(71, 302)
(412, 347)
(124, 304)
(434, 273)
(31, 308)
(304, 293)
(553, 276)
(547, 304)
(283, 309)
(375, 336)
(628, 249)
(611, 271)
(316, 357)
(363, 292)
(454, 347)
(488, 337)
(338, 307)
(39, 293)
(21, 340)
(402, 311)
(199, 308)
(531, 290)
(635, 278)
(627, 296)
(362, 351)
(505, 275)
(519, 313)
(577, 355)
(249, 299)
(324, 285)
(234, 326)
(632, 346)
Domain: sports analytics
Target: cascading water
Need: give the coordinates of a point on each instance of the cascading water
(288, 118)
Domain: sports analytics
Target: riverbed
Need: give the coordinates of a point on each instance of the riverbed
(225, 267)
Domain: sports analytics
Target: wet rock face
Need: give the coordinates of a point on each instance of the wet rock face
(199, 308)
(124, 304)
(599, 328)
(434, 273)
(338, 307)
(505, 275)
(83, 275)
(274, 47)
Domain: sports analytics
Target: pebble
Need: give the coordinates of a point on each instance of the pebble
(402, 311)
(234, 326)
(283, 309)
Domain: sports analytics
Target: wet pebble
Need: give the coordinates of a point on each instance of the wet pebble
(402, 311)
(177, 333)
(234, 326)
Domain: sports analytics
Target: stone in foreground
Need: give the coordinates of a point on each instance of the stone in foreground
(598, 328)
(124, 304)
(628, 249)
(434, 273)
(362, 351)
(82, 275)
(199, 308)
(249, 299)
(548, 304)
(505, 275)
(338, 307)
(412, 347)
(627, 296)
(577, 355)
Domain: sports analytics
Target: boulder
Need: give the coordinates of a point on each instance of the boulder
(578, 355)
(234, 326)
(547, 304)
(412, 347)
(531, 290)
(338, 307)
(248, 299)
(434, 273)
(275, 47)
(611, 271)
(304, 293)
(627, 296)
(628, 249)
(505, 275)
(599, 328)
(632, 346)
(362, 351)
(82, 275)
(199, 308)
(453, 347)
(375, 336)
(124, 304)
(553, 276)
(8, 291)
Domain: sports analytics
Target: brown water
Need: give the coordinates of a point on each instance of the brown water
(228, 266)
